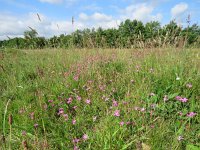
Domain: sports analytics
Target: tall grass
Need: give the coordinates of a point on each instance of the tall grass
(101, 99)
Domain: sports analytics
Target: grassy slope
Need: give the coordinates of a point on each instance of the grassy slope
(31, 78)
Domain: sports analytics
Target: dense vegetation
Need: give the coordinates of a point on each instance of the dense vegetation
(129, 34)
(112, 99)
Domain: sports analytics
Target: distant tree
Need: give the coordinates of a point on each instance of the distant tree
(30, 34)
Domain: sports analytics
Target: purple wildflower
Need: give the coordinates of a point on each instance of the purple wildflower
(78, 98)
(76, 77)
(88, 101)
(117, 113)
(85, 137)
(50, 101)
(121, 123)
(115, 103)
(74, 121)
(191, 114)
(61, 111)
(76, 140)
(76, 148)
(69, 100)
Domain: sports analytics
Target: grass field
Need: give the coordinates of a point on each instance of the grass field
(100, 99)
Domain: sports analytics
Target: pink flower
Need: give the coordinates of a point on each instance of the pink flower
(75, 107)
(69, 100)
(35, 125)
(191, 114)
(88, 101)
(74, 121)
(32, 115)
(117, 113)
(178, 98)
(121, 123)
(61, 111)
(76, 77)
(50, 101)
(115, 103)
(85, 137)
(76, 140)
(76, 148)
(78, 98)
(152, 126)
(189, 85)
(180, 113)
(142, 109)
(184, 100)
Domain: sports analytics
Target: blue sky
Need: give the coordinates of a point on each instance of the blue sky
(17, 15)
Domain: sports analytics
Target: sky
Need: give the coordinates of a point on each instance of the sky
(55, 16)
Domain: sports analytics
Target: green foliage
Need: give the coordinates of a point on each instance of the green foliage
(129, 34)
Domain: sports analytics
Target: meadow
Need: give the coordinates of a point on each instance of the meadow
(94, 99)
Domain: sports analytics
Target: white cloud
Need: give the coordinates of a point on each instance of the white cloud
(95, 17)
(98, 20)
(178, 10)
(52, 1)
(141, 11)
(14, 26)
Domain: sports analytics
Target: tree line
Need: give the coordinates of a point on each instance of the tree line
(129, 34)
